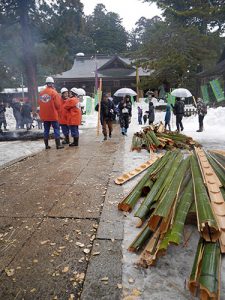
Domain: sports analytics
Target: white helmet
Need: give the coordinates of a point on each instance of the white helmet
(49, 80)
(63, 90)
(75, 91)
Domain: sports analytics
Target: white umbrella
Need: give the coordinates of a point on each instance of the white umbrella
(125, 91)
(181, 93)
(81, 92)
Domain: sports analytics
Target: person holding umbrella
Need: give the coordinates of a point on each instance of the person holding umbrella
(178, 110)
(125, 109)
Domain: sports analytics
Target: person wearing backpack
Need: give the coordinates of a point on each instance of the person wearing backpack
(202, 111)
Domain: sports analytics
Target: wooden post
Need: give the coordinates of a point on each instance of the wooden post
(137, 83)
(99, 105)
(194, 101)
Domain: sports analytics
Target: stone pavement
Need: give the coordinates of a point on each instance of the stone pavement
(60, 234)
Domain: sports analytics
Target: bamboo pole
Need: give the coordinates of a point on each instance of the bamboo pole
(99, 105)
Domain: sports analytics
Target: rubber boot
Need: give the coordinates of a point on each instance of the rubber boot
(58, 145)
(75, 142)
(66, 140)
(200, 129)
(46, 144)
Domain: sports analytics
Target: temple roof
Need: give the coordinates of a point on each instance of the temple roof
(107, 66)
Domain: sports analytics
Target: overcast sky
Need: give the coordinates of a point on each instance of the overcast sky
(129, 10)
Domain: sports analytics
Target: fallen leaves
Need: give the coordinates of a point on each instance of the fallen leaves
(79, 244)
(9, 272)
(86, 251)
(65, 270)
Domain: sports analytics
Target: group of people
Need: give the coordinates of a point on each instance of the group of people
(178, 109)
(22, 113)
(108, 111)
(60, 111)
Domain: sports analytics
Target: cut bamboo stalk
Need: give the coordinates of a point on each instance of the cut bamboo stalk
(175, 234)
(205, 275)
(143, 210)
(166, 203)
(207, 224)
(138, 170)
(128, 203)
(141, 239)
(216, 197)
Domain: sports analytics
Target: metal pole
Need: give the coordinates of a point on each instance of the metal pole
(22, 86)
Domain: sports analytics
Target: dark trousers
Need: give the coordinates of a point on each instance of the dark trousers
(56, 128)
(106, 123)
(65, 129)
(179, 124)
(167, 124)
(200, 120)
(74, 129)
(140, 119)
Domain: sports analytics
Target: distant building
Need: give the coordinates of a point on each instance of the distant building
(116, 72)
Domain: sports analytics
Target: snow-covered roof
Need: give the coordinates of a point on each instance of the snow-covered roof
(19, 90)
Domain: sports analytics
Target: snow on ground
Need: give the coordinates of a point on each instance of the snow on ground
(10, 151)
(168, 280)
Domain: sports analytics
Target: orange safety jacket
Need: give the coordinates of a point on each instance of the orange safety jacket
(72, 105)
(63, 113)
(49, 103)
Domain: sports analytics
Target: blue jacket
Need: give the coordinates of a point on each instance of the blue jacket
(168, 113)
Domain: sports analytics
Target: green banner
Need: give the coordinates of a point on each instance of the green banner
(217, 90)
(88, 105)
(132, 100)
(205, 93)
(96, 99)
(170, 99)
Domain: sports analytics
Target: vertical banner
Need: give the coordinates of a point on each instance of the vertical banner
(132, 99)
(205, 93)
(99, 105)
(217, 90)
(170, 99)
(88, 105)
(137, 83)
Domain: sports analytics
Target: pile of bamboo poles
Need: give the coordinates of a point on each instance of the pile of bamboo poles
(176, 188)
(156, 137)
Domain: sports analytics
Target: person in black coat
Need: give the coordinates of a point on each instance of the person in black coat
(151, 113)
(125, 113)
(16, 106)
(2, 116)
(106, 115)
(26, 115)
(178, 110)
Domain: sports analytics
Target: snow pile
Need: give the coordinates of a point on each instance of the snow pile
(214, 125)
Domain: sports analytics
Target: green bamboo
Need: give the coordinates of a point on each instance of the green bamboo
(128, 203)
(169, 177)
(141, 239)
(143, 210)
(218, 169)
(219, 158)
(205, 270)
(154, 138)
(175, 234)
(208, 226)
(210, 268)
(193, 281)
(164, 206)
(147, 187)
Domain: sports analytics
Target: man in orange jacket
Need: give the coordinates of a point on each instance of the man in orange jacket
(63, 115)
(49, 108)
(72, 105)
